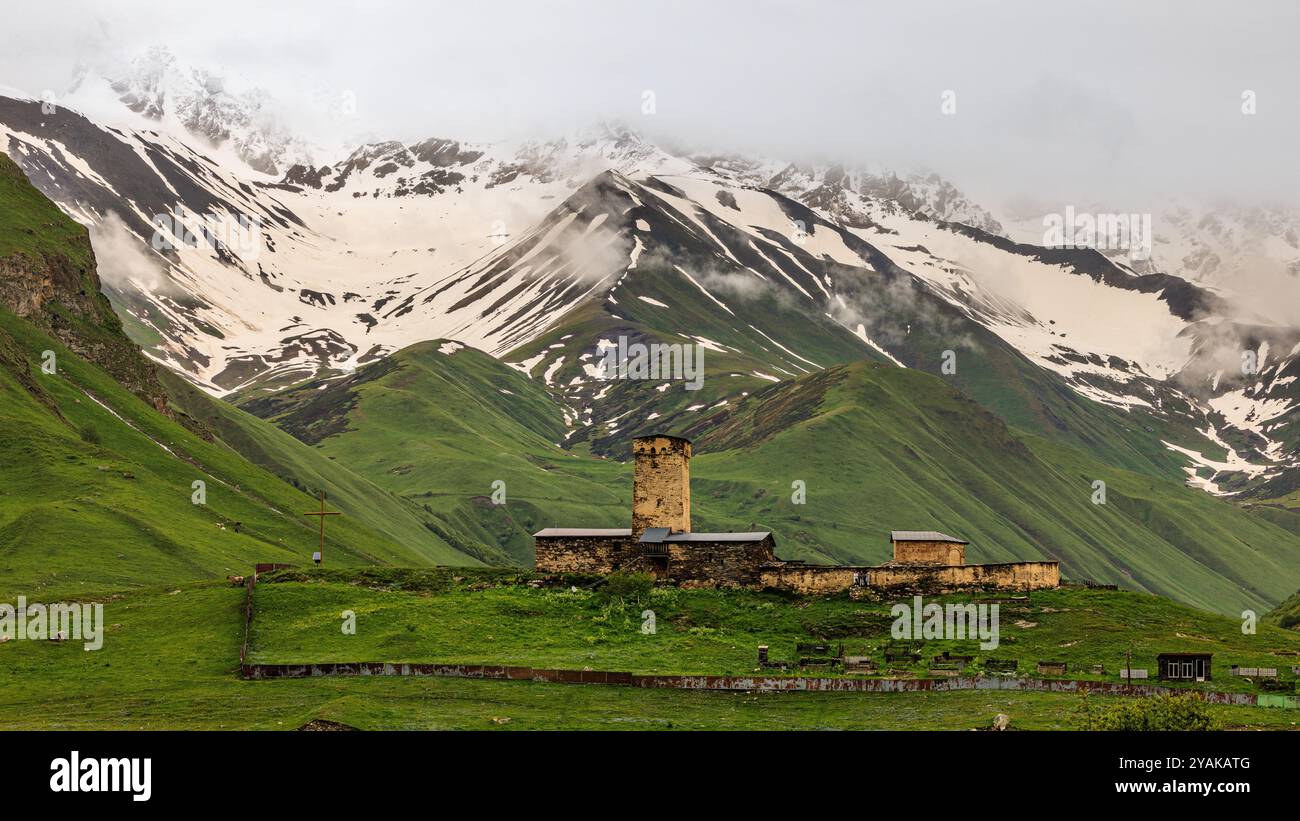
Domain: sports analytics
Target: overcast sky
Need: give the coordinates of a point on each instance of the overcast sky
(1125, 102)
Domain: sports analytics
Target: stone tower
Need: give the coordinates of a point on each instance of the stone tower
(661, 484)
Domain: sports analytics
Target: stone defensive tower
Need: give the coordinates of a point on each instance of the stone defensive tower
(661, 484)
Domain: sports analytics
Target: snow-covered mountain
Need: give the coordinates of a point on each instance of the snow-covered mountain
(218, 111)
(848, 193)
(1249, 252)
(544, 253)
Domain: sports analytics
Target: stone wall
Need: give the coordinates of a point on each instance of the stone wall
(811, 579)
(586, 554)
(754, 564)
(719, 564)
(661, 484)
(948, 553)
(698, 564)
(749, 683)
(943, 579)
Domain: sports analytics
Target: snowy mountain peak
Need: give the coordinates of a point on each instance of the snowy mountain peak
(184, 100)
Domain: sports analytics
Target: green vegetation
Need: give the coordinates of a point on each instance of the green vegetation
(34, 227)
(81, 516)
(496, 617)
(445, 456)
(878, 447)
(1160, 713)
(621, 589)
(1287, 614)
(896, 449)
(170, 661)
(441, 429)
(305, 468)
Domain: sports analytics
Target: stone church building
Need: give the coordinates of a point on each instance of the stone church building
(661, 542)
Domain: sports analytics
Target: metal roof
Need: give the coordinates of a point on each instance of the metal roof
(653, 535)
(923, 536)
(756, 536)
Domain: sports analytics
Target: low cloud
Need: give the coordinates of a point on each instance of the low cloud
(125, 263)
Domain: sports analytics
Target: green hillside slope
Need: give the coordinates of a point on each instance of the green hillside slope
(440, 428)
(96, 490)
(1286, 614)
(885, 448)
(97, 479)
(877, 447)
(307, 469)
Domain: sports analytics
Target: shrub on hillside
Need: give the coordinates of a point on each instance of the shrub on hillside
(1163, 712)
(621, 587)
(90, 435)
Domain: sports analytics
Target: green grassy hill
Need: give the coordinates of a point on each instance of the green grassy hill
(441, 428)
(477, 617)
(98, 470)
(885, 448)
(1287, 614)
(304, 467)
(96, 490)
(878, 448)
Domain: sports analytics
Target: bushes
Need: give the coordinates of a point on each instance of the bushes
(1163, 712)
(622, 587)
(90, 435)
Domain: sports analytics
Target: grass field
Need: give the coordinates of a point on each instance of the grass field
(170, 661)
(490, 617)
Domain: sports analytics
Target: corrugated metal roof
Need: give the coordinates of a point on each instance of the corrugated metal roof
(651, 534)
(756, 536)
(923, 536)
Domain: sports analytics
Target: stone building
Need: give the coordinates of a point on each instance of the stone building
(661, 542)
(927, 547)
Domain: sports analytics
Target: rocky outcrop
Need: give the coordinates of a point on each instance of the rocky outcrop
(48, 277)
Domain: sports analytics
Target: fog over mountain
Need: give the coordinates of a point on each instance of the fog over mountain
(789, 185)
(1109, 103)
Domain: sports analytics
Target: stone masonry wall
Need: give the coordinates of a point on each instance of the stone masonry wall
(661, 484)
(941, 579)
(583, 554)
(949, 553)
(720, 564)
(812, 579)
(699, 564)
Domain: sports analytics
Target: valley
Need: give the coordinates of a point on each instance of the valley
(417, 335)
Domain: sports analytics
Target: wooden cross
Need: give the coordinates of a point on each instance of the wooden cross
(322, 513)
